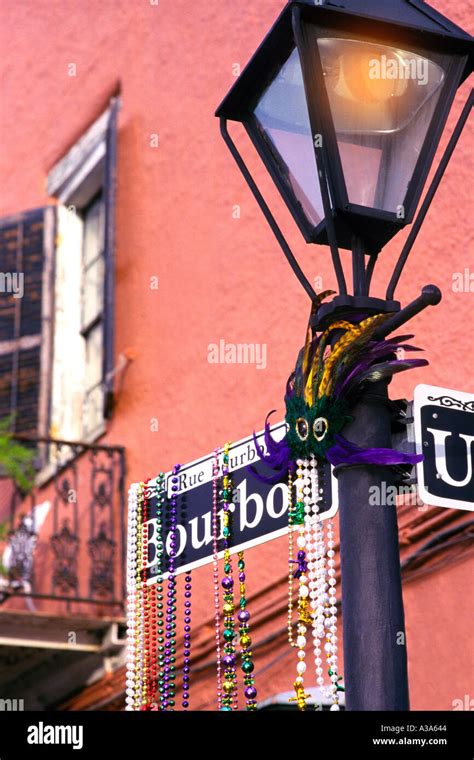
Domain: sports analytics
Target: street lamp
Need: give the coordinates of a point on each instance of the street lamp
(345, 104)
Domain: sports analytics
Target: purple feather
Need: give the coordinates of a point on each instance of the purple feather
(271, 479)
(278, 458)
(290, 386)
(375, 350)
(363, 368)
(345, 452)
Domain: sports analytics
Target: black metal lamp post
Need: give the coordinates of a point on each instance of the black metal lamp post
(346, 103)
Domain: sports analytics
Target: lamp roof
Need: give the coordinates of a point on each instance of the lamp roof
(414, 13)
(415, 16)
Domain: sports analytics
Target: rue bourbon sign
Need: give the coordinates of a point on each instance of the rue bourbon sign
(260, 510)
(444, 434)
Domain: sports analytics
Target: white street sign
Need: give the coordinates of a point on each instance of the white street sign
(444, 433)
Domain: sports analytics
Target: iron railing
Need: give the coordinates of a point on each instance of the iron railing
(66, 537)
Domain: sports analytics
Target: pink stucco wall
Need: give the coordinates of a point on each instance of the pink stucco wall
(219, 277)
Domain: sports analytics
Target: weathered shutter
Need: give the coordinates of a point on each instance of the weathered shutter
(26, 266)
(109, 189)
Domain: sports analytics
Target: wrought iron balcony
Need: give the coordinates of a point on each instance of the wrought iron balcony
(64, 541)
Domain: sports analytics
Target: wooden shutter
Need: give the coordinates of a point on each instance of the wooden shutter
(26, 252)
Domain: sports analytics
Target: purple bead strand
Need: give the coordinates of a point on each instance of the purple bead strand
(170, 644)
(187, 640)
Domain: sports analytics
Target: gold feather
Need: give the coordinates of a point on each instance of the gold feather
(363, 330)
(341, 325)
(305, 368)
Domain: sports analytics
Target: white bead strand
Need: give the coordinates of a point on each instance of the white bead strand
(332, 617)
(320, 579)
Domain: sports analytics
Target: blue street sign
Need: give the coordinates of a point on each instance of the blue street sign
(260, 510)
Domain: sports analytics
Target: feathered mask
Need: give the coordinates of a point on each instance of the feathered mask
(332, 369)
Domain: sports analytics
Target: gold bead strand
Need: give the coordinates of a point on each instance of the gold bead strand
(291, 640)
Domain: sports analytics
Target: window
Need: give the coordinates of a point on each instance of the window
(83, 182)
(57, 297)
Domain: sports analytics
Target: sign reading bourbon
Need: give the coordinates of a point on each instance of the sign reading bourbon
(260, 510)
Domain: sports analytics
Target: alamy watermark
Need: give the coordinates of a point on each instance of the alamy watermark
(388, 495)
(466, 703)
(12, 282)
(463, 282)
(12, 705)
(385, 67)
(42, 733)
(237, 353)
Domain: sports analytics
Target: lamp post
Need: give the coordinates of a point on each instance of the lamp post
(345, 105)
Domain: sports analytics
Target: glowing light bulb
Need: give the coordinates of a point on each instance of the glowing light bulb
(374, 88)
(359, 80)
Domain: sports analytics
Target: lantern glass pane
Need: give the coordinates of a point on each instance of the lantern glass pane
(282, 115)
(382, 101)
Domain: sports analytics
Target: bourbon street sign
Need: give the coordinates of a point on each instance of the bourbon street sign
(444, 433)
(260, 510)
